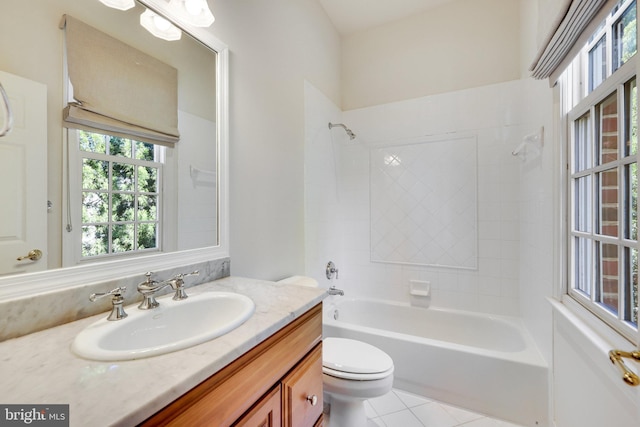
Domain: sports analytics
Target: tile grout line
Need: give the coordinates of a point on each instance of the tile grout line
(426, 401)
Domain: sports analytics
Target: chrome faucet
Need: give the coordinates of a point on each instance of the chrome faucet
(335, 291)
(117, 312)
(149, 288)
(330, 271)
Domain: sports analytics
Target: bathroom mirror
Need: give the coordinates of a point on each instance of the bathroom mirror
(31, 43)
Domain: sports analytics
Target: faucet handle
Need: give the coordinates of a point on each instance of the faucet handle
(179, 285)
(117, 312)
(183, 275)
(117, 293)
(331, 270)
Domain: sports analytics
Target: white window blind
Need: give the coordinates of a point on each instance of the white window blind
(117, 89)
(577, 21)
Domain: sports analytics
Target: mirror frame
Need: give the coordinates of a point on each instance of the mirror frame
(32, 284)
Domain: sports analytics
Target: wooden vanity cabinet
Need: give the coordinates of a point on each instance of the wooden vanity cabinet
(273, 384)
(302, 391)
(266, 413)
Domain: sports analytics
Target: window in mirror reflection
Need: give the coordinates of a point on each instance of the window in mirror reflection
(120, 195)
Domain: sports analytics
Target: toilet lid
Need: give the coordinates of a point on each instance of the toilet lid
(355, 357)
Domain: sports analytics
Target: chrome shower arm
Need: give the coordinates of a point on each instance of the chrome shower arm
(346, 129)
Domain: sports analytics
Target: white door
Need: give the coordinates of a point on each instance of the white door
(23, 176)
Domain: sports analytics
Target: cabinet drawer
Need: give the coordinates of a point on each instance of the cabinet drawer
(302, 391)
(266, 413)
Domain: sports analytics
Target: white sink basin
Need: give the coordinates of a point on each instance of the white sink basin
(174, 325)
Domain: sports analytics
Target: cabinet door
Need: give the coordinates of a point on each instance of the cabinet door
(222, 398)
(266, 413)
(302, 391)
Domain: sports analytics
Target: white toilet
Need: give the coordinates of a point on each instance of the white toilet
(352, 372)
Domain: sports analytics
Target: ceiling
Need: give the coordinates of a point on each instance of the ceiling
(351, 16)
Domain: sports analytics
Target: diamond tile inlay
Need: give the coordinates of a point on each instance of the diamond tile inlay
(424, 203)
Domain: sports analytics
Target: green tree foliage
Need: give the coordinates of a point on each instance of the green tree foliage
(119, 203)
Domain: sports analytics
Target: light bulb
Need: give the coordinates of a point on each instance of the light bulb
(193, 12)
(119, 4)
(161, 23)
(159, 26)
(193, 7)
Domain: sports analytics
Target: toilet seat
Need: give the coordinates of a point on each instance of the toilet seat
(354, 360)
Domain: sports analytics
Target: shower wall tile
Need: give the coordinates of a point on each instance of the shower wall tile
(324, 214)
(539, 250)
(424, 202)
(339, 195)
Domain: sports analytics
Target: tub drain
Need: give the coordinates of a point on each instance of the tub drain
(336, 314)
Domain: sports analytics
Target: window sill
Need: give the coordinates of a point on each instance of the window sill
(591, 322)
(592, 339)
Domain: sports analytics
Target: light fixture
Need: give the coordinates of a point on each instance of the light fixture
(119, 4)
(195, 12)
(159, 26)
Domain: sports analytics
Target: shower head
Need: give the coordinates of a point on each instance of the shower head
(346, 129)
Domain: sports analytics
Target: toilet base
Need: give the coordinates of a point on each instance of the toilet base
(347, 413)
(347, 397)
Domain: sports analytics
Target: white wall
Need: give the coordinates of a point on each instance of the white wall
(401, 61)
(538, 204)
(588, 389)
(274, 46)
(528, 34)
(196, 198)
(549, 15)
(338, 216)
(324, 227)
(457, 45)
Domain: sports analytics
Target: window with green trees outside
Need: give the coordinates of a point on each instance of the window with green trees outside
(120, 195)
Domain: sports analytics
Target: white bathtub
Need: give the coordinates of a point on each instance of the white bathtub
(485, 363)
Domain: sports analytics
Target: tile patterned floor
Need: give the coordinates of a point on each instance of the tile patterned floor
(401, 409)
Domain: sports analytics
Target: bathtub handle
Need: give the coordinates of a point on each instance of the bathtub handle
(313, 399)
(627, 376)
(331, 270)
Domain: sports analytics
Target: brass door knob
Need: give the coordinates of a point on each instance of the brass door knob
(33, 255)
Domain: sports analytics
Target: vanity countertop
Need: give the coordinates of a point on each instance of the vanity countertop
(40, 368)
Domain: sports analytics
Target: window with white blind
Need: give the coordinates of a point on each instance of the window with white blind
(599, 95)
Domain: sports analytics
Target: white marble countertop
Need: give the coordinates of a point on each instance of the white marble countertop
(41, 369)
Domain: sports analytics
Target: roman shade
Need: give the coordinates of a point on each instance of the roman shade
(117, 89)
(577, 21)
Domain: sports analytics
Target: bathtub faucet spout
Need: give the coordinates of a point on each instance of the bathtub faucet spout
(335, 291)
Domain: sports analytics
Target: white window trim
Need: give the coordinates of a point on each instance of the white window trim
(71, 238)
(598, 319)
(597, 329)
